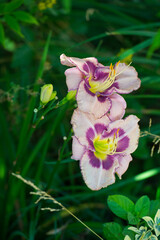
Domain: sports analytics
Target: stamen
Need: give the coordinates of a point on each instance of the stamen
(102, 86)
(118, 133)
(111, 67)
(98, 87)
(123, 69)
(117, 63)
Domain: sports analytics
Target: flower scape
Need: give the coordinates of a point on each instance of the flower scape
(102, 141)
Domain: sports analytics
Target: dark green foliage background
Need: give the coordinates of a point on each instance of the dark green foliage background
(80, 28)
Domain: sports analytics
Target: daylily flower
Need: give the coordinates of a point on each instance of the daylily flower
(103, 147)
(97, 85)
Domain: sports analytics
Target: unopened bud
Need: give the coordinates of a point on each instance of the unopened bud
(47, 93)
(71, 94)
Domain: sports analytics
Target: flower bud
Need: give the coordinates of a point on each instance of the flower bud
(47, 93)
(71, 94)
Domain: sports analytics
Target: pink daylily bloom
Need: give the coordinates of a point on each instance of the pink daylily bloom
(97, 85)
(103, 147)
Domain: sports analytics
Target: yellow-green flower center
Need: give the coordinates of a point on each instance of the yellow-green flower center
(106, 146)
(98, 86)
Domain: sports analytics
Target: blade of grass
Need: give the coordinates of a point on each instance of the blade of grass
(134, 49)
(16, 234)
(31, 106)
(61, 162)
(143, 96)
(7, 158)
(143, 26)
(125, 54)
(131, 33)
(150, 79)
(7, 138)
(23, 135)
(139, 177)
(144, 60)
(30, 160)
(144, 111)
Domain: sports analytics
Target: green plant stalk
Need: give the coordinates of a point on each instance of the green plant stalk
(57, 163)
(51, 133)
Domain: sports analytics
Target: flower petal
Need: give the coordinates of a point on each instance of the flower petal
(123, 142)
(77, 149)
(131, 129)
(118, 107)
(81, 64)
(73, 78)
(91, 103)
(83, 121)
(124, 161)
(97, 177)
(127, 78)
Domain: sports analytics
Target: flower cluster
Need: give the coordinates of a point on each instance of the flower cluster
(102, 141)
(46, 4)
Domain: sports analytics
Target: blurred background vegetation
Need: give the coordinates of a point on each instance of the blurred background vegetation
(33, 34)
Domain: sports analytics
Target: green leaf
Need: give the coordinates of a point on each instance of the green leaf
(136, 48)
(149, 221)
(128, 232)
(147, 235)
(120, 205)
(142, 206)
(154, 206)
(13, 24)
(12, 5)
(9, 45)
(127, 238)
(67, 5)
(134, 229)
(132, 219)
(153, 237)
(112, 231)
(28, 118)
(2, 7)
(2, 36)
(25, 17)
(155, 45)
